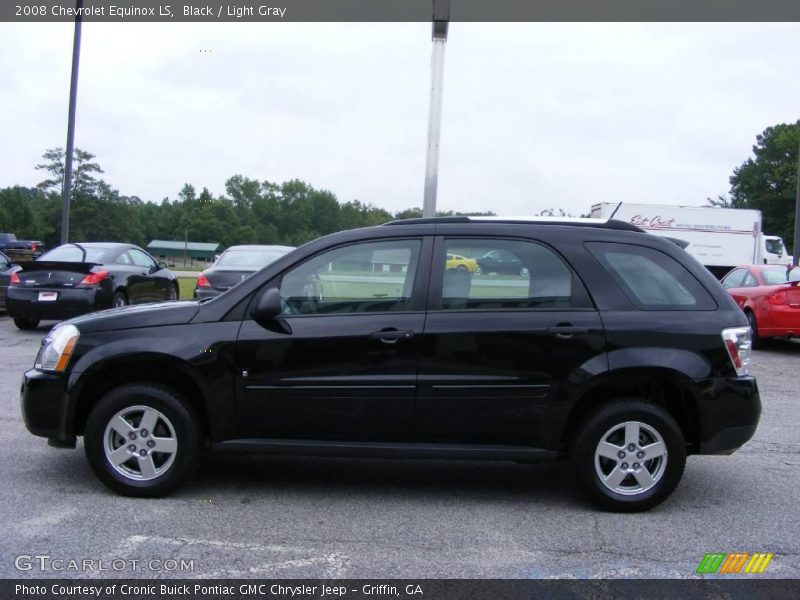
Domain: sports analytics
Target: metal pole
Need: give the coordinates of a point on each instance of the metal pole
(73, 97)
(441, 17)
(796, 245)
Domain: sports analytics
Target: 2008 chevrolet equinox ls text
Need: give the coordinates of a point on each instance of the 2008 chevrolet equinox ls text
(612, 347)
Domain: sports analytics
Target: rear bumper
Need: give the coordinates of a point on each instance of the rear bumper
(729, 415)
(781, 321)
(44, 404)
(23, 302)
(201, 293)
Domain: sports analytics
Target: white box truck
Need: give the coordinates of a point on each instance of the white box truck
(720, 238)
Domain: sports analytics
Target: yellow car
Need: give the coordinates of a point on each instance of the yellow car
(461, 263)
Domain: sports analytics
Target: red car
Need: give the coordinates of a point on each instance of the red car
(770, 297)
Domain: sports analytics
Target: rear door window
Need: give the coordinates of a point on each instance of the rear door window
(651, 279)
(493, 274)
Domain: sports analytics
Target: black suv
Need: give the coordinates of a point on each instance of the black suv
(611, 347)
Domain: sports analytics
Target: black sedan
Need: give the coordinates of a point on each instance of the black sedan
(235, 265)
(74, 279)
(502, 262)
(7, 267)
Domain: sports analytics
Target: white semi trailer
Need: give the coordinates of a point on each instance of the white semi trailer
(720, 238)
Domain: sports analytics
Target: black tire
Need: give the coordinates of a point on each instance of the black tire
(25, 323)
(666, 470)
(462, 268)
(524, 272)
(174, 414)
(756, 339)
(174, 294)
(120, 299)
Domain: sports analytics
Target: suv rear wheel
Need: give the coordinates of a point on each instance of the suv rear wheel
(142, 440)
(629, 455)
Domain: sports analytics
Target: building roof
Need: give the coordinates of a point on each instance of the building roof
(192, 246)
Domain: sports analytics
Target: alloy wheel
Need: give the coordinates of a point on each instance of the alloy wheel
(140, 443)
(630, 458)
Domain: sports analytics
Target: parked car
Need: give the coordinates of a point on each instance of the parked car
(18, 249)
(770, 298)
(7, 267)
(617, 351)
(74, 279)
(501, 262)
(235, 265)
(462, 263)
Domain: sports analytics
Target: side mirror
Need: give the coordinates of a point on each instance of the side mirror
(162, 265)
(267, 305)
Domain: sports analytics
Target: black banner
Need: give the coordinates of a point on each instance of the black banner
(424, 589)
(400, 10)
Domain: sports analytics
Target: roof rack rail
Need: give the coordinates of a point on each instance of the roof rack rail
(574, 222)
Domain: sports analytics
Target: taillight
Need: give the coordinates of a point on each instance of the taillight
(34, 247)
(780, 298)
(738, 344)
(202, 281)
(93, 278)
(14, 279)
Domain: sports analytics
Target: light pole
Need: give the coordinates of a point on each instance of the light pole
(441, 18)
(73, 97)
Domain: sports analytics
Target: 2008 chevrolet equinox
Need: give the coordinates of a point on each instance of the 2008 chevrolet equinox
(611, 347)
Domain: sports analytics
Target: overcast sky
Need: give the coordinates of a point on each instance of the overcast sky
(535, 115)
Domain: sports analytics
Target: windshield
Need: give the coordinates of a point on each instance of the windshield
(70, 253)
(248, 259)
(778, 275)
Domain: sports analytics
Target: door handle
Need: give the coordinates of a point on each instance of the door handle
(566, 330)
(392, 336)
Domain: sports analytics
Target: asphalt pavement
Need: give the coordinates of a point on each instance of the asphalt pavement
(273, 517)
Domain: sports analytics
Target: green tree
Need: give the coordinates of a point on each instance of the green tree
(83, 171)
(768, 181)
(17, 213)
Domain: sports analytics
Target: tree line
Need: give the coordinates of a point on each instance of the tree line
(250, 211)
(294, 212)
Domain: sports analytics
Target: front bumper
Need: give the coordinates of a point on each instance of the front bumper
(44, 403)
(23, 302)
(729, 415)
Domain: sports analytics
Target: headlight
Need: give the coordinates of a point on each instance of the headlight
(56, 349)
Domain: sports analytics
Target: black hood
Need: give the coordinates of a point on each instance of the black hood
(134, 317)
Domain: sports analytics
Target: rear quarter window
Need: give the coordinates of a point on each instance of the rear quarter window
(651, 279)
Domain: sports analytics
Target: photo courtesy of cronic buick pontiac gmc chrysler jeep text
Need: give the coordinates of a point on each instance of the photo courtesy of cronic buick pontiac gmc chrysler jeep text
(604, 345)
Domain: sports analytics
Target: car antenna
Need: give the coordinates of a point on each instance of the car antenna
(615, 211)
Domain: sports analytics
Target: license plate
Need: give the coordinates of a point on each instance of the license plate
(48, 296)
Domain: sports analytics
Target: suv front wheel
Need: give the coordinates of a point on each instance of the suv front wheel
(629, 455)
(142, 440)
